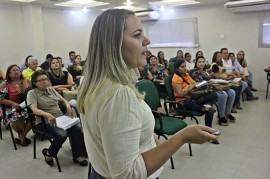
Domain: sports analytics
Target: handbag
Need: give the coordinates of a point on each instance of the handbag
(202, 95)
(211, 95)
(220, 86)
(196, 93)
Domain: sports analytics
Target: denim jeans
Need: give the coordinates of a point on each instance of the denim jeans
(246, 89)
(193, 105)
(60, 136)
(237, 90)
(225, 101)
(95, 175)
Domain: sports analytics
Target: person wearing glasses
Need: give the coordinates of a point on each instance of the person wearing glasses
(11, 97)
(43, 101)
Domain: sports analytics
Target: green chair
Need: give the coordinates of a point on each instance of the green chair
(164, 124)
(179, 109)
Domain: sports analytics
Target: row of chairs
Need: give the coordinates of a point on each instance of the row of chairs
(166, 124)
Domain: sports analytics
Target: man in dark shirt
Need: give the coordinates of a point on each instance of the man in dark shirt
(45, 65)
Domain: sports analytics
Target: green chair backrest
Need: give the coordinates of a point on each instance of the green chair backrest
(151, 94)
(168, 86)
(171, 67)
(145, 71)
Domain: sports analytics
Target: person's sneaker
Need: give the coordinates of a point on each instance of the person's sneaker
(223, 121)
(231, 118)
(234, 110)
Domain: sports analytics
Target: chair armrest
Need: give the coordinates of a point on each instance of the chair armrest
(180, 107)
(159, 116)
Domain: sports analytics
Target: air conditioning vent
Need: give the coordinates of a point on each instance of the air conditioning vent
(247, 5)
(148, 15)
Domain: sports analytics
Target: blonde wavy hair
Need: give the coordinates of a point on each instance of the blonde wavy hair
(104, 59)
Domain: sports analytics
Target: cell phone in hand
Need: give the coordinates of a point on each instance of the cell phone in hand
(216, 132)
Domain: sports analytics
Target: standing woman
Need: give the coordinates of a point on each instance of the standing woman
(118, 125)
(12, 96)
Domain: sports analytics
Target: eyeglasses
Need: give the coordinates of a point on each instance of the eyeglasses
(42, 80)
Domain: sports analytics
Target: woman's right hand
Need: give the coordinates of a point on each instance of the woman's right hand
(197, 134)
(51, 120)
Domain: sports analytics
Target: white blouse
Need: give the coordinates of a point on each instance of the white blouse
(117, 129)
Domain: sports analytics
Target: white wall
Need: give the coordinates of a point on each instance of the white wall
(64, 31)
(12, 36)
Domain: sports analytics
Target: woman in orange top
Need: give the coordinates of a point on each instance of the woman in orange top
(182, 83)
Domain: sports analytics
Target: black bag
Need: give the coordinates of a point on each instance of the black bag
(207, 97)
(202, 95)
(197, 93)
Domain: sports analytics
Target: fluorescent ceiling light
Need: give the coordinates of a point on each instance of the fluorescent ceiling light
(133, 8)
(174, 2)
(82, 3)
(23, 0)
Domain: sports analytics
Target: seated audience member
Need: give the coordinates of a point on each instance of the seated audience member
(162, 60)
(2, 76)
(61, 63)
(219, 73)
(69, 62)
(200, 54)
(46, 65)
(75, 69)
(60, 80)
(189, 63)
(32, 67)
(239, 71)
(182, 84)
(157, 71)
(11, 96)
(179, 56)
(25, 65)
(225, 98)
(44, 101)
(227, 63)
(248, 75)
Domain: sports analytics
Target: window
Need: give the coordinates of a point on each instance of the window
(264, 33)
(173, 33)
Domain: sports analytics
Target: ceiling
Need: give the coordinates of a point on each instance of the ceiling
(113, 3)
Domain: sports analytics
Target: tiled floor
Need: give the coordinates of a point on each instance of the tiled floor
(244, 153)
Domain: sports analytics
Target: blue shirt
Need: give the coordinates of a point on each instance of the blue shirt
(237, 66)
